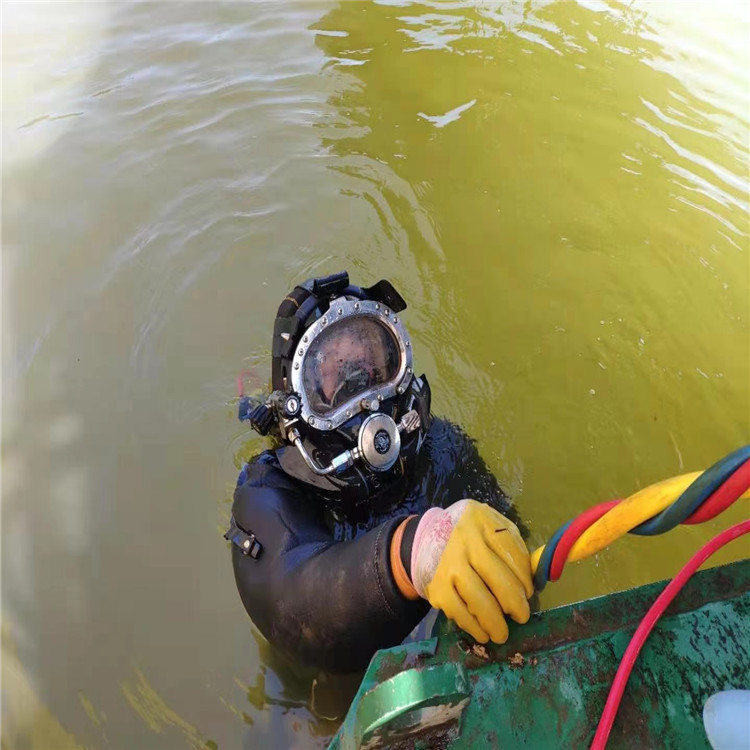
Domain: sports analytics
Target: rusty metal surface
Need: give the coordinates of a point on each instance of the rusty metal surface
(546, 686)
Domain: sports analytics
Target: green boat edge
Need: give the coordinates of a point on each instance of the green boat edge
(546, 686)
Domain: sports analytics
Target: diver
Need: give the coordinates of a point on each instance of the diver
(345, 534)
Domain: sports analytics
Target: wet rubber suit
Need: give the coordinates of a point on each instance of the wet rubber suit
(322, 590)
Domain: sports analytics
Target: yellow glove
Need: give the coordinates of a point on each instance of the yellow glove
(470, 561)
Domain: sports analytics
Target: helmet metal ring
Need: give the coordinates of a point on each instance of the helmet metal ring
(347, 308)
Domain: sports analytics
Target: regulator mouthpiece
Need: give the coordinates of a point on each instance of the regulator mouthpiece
(378, 444)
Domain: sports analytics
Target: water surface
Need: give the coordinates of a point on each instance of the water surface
(560, 191)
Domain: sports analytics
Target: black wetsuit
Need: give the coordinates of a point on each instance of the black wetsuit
(322, 590)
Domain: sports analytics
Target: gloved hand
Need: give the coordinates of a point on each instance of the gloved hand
(470, 561)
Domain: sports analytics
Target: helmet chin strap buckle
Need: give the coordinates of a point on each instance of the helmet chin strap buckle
(378, 444)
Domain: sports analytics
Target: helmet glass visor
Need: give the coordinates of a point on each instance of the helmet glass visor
(346, 360)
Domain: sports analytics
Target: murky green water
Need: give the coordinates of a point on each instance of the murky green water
(559, 189)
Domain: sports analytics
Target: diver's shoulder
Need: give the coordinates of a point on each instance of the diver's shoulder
(445, 434)
(263, 489)
(262, 481)
(264, 470)
(452, 450)
(456, 469)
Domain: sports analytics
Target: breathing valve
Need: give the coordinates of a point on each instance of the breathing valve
(378, 444)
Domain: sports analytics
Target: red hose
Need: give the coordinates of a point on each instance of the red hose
(647, 625)
(569, 538)
(724, 496)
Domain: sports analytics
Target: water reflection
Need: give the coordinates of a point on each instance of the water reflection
(585, 156)
(149, 705)
(137, 237)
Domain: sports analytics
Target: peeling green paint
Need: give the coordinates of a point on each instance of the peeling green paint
(546, 686)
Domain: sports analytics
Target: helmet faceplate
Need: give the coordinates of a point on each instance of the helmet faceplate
(352, 358)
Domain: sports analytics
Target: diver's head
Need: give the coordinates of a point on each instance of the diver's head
(344, 391)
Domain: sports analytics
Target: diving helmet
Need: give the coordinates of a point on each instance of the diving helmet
(344, 393)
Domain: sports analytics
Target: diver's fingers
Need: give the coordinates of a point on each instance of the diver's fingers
(482, 604)
(511, 550)
(503, 583)
(498, 521)
(455, 608)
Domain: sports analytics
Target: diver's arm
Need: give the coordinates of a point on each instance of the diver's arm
(331, 604)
